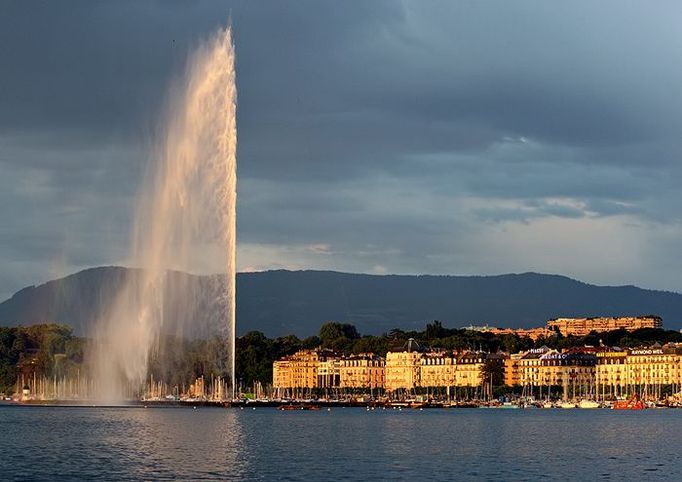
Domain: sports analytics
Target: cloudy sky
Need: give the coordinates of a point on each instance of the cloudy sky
(380, 137)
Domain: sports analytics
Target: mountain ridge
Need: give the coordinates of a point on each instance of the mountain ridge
(281, 302)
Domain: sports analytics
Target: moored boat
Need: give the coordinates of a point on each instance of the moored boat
(289, 407)
(585, 403)
(301, 406)
(633, 403)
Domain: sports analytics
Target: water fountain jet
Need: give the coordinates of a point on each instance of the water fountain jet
(185, 221)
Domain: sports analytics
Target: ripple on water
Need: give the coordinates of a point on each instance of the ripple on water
(214, 444)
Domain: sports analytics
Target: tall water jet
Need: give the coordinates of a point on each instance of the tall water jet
(185, 221)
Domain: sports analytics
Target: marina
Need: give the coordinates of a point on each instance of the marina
(632, 403)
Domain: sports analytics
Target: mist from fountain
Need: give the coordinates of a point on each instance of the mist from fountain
(185, 221)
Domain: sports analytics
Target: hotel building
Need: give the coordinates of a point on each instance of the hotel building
(593, 372)
(438, 369)
(598, 372)
(329, 372)
(512, 370)
(365, 371)
(324, 369)
(305, 370)
(612, 373)
(572, 371)
(649, 369)
(402, 370)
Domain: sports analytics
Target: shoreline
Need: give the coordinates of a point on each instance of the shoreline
(305, 405)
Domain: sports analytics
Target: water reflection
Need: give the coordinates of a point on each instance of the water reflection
(121, 444)
(343, 444)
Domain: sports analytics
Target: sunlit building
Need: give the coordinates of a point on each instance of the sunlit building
(469, 369)
(586, 372)
(583, 326)
(301, 370)
(512, 370)
(402, 370)
(364, 371)
(649, 369)
(532, 333)
(282, 374)
(329, 372)
(572, 371)
(438, 369)
(611, 373)
(408, 370)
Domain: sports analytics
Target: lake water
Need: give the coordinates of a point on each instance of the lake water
(60, 443)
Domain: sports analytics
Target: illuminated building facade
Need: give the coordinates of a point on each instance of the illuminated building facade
(365, 371)
(583, 326)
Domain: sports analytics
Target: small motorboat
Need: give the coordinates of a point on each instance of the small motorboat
(290, 406)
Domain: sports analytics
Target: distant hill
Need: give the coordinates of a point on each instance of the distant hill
(298, 302)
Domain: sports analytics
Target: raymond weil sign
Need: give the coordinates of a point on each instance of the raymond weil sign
(647, 351)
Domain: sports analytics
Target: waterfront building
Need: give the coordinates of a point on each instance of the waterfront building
(448, 373)
(586, 372)
(512, 370)
(572, 372)
(407, 370)
(299, 372)
(328, 372)
(365, 371)
(601, 372)
(611, 373)
(469, 369)
(281, 374)
(583, 326)
(649, 369)
(402, 370)
(528, 368)
(325, 369)
(438, 369)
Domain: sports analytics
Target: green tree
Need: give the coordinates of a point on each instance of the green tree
(338, 336)
(493, 369)
(435, 330)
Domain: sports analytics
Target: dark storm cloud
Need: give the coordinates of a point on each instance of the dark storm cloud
(373, 136)
(93, 68)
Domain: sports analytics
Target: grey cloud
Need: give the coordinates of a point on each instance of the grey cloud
(407, 135)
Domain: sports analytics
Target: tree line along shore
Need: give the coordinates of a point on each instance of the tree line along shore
(52, 352)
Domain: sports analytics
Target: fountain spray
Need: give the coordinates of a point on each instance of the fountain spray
(185, 221)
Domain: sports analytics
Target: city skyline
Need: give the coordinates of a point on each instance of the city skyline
(325, 240)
